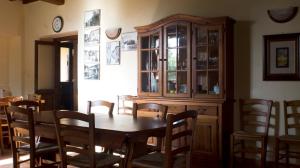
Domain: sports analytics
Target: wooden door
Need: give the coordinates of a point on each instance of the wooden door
(177, 68)
(64, 81)
(45, 72)
(150, 63)
(205, 151)
(207, 61)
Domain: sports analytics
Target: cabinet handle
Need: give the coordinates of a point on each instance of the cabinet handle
(162, 59)
(194, 58)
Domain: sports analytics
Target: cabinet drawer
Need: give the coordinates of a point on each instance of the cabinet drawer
(205, 110)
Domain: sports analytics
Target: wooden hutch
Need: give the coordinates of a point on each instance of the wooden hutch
(187, 62)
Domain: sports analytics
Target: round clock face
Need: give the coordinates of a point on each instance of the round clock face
(57, 24)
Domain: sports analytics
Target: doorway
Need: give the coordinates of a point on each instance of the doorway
(56, 72)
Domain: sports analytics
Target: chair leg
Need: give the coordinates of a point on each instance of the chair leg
(287, 157)
(231, 152)
(263, 154)
(277, 142)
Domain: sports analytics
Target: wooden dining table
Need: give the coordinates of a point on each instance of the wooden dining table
(111, 131)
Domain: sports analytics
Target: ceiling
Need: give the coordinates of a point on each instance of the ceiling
(56, 2)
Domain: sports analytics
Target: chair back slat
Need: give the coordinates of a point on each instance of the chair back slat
(34, 105)
(100, 103)
(20, 122)
(173, 120)
(159, 109)
(255, 115)
(73, 139)
(292, 116)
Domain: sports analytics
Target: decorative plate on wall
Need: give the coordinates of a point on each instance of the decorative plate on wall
(283, 15)
(113, 33)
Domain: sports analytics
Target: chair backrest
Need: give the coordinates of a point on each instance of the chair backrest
(174, 121)
(255, 115)
(11, 99)
(292, 117)
(72, 138)
(159, 110)
(34, 105)
(21, 120)
(100, 103)
(125, 104)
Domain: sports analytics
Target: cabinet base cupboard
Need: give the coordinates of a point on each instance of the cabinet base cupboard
(186, 62)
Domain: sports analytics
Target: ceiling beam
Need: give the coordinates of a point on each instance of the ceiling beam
(56, 2)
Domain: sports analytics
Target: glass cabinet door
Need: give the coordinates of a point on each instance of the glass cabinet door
(206, 61)
(149, 64)
(177, 61)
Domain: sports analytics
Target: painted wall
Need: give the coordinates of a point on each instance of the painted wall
(11, 30)
(252, 23)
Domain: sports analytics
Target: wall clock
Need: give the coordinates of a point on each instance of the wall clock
(57, 24)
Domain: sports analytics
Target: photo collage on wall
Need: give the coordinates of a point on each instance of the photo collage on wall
(92, 34)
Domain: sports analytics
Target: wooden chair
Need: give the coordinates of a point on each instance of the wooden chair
(153, 110)
(172, 157)
(291, 137)
(100, 103)
(4, 102)
(22, 120)
(34, 105)
(255, 118)
(80, 142)
(125, 104)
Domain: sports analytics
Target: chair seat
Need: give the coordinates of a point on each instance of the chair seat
(289, 138)
(248, 135)
(41, 148)
(156, 160)
(102, 160)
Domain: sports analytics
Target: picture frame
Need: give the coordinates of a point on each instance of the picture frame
(113, 53)
(281, 57)
(92, 18)
(129, 41)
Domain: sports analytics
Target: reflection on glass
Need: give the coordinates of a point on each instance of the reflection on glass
(213, 82)
(154, 59)
(182, 60)
(201, 83)
(155, 41)
(172, 54)
(145, 60)
(201, 36)
(213, 58)
(145, 42)
(64, 64)
(201, 58)
(182, 35)
(154, 82)
(213, 37)
(171, 78)
(171, 36)
(145, 82)
(172, 40)
(182, 82)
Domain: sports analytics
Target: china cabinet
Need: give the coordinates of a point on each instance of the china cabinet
(186, 62)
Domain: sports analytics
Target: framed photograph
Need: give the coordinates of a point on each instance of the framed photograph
(113, 53)
(92, 18)
(129, 41)
(91, 55)
(92, 71)
(281, 60)
(91, 37)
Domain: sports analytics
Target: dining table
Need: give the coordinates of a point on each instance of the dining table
(111, 131)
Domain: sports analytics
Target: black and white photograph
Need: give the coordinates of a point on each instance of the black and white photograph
(92, 37)
(129, 41)
(113, 53)
(92, 18)
(91, 54)
(92, 71)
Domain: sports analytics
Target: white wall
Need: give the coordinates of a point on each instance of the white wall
(11, 30)
(252, 23)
